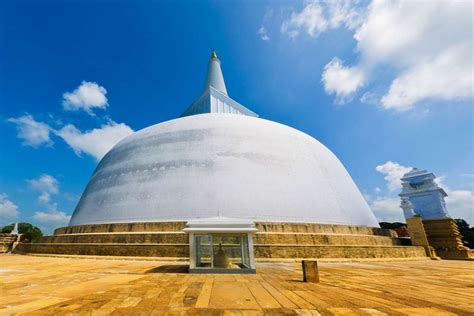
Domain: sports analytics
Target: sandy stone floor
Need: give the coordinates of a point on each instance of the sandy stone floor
(69, 286)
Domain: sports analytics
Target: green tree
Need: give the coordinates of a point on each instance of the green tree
(462, 224)
(387, 225)
(466, 232)
(30, 232)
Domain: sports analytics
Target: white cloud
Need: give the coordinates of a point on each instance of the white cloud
(96, 142)
(71, 197)
(370, 98)
(428, 45)
(447, 77)
(340, 80)
(46, 185)
(387, 209)
(319, 16)
(262, 31)
(393, 173)
(8, 209)
(346, 13)
(87, 96)
(52, 216)
(33, 133)
(440, 181)
(460, 204)
(311, 19)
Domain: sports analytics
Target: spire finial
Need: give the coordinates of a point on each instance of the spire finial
(214, 55)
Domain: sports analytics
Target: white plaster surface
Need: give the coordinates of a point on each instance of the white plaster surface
(225, 165)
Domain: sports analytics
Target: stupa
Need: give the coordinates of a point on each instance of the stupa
(222, 166)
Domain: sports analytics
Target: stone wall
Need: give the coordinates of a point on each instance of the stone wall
(443, 235)
(273, 241)
(7, 241)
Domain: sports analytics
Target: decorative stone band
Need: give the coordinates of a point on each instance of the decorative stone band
(221, 225)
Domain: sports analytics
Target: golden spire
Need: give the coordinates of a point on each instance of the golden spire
(214, 55)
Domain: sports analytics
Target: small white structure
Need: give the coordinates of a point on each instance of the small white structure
(221, 245)
(15, 229)
(421, 193)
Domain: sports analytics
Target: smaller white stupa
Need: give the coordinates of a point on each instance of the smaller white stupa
(15, 229)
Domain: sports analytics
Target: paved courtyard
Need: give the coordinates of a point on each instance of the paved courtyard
(69, 286)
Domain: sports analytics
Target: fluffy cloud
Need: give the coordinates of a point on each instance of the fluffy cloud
(431, 44)
(262, 31)
(393, 173)
(427, 44)
(46, 185)
(387, 209)
(446, 77)
(96, 142)
(319, 16)
(460, 204)
(311, 19)
(32, 132)
(53, 216)
(340, 80)
(8, 209)
(87, 96)
(347, 13)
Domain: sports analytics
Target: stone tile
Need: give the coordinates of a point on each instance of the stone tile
(74, 286)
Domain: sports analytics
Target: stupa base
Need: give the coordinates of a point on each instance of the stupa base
(274, 241)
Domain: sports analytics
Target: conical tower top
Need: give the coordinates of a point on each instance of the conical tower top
(214, 98)
(215, 78)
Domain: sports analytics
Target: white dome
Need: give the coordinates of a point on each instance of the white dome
(225, 165)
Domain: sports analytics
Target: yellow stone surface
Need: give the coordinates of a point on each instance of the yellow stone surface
(418, 234)
(32, 285)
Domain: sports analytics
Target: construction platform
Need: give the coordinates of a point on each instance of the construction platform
(39, 285)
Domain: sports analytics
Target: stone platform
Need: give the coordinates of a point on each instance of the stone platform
(444, 236)
(272, 242)
(7, 241)
(64, 286)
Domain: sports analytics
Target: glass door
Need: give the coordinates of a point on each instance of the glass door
(245, 252)
(204, 252)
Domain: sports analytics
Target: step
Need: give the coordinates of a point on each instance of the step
(322, 229)
(261, 251)
(260, 238)
(7, 239)
(261, 226)
(324, 239)
(138, 250)
(4, 249)
(130, 227)
(122, 238)
(297, 251)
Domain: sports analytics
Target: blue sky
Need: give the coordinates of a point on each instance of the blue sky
(384, 85)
